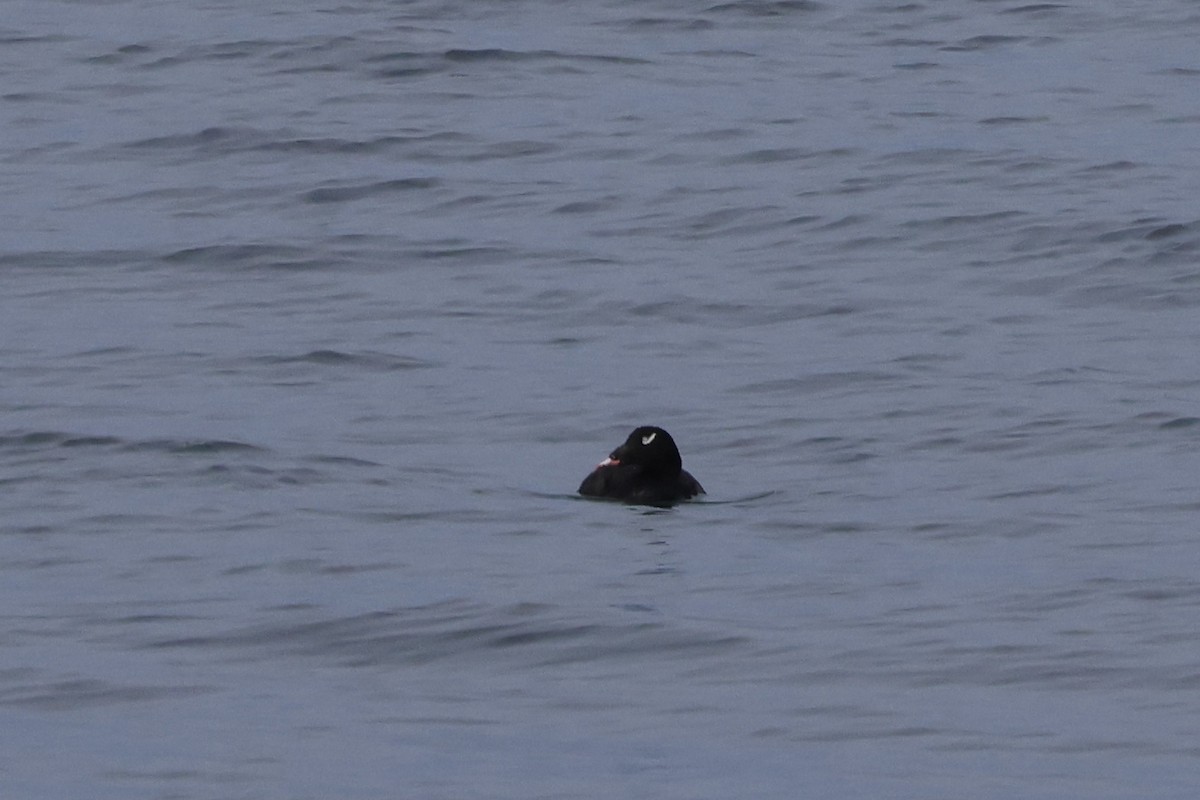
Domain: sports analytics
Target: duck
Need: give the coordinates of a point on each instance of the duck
(646, 470)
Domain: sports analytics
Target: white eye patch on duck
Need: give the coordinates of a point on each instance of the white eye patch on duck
(649, 438)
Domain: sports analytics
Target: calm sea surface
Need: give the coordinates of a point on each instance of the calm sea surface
(313, 316)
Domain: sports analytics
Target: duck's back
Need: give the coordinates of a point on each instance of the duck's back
(631, 484)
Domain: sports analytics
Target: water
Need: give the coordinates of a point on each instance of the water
(312, 317)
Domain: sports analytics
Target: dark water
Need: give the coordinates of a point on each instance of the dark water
(312, 317)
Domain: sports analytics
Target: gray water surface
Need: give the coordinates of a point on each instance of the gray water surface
(313, 316)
